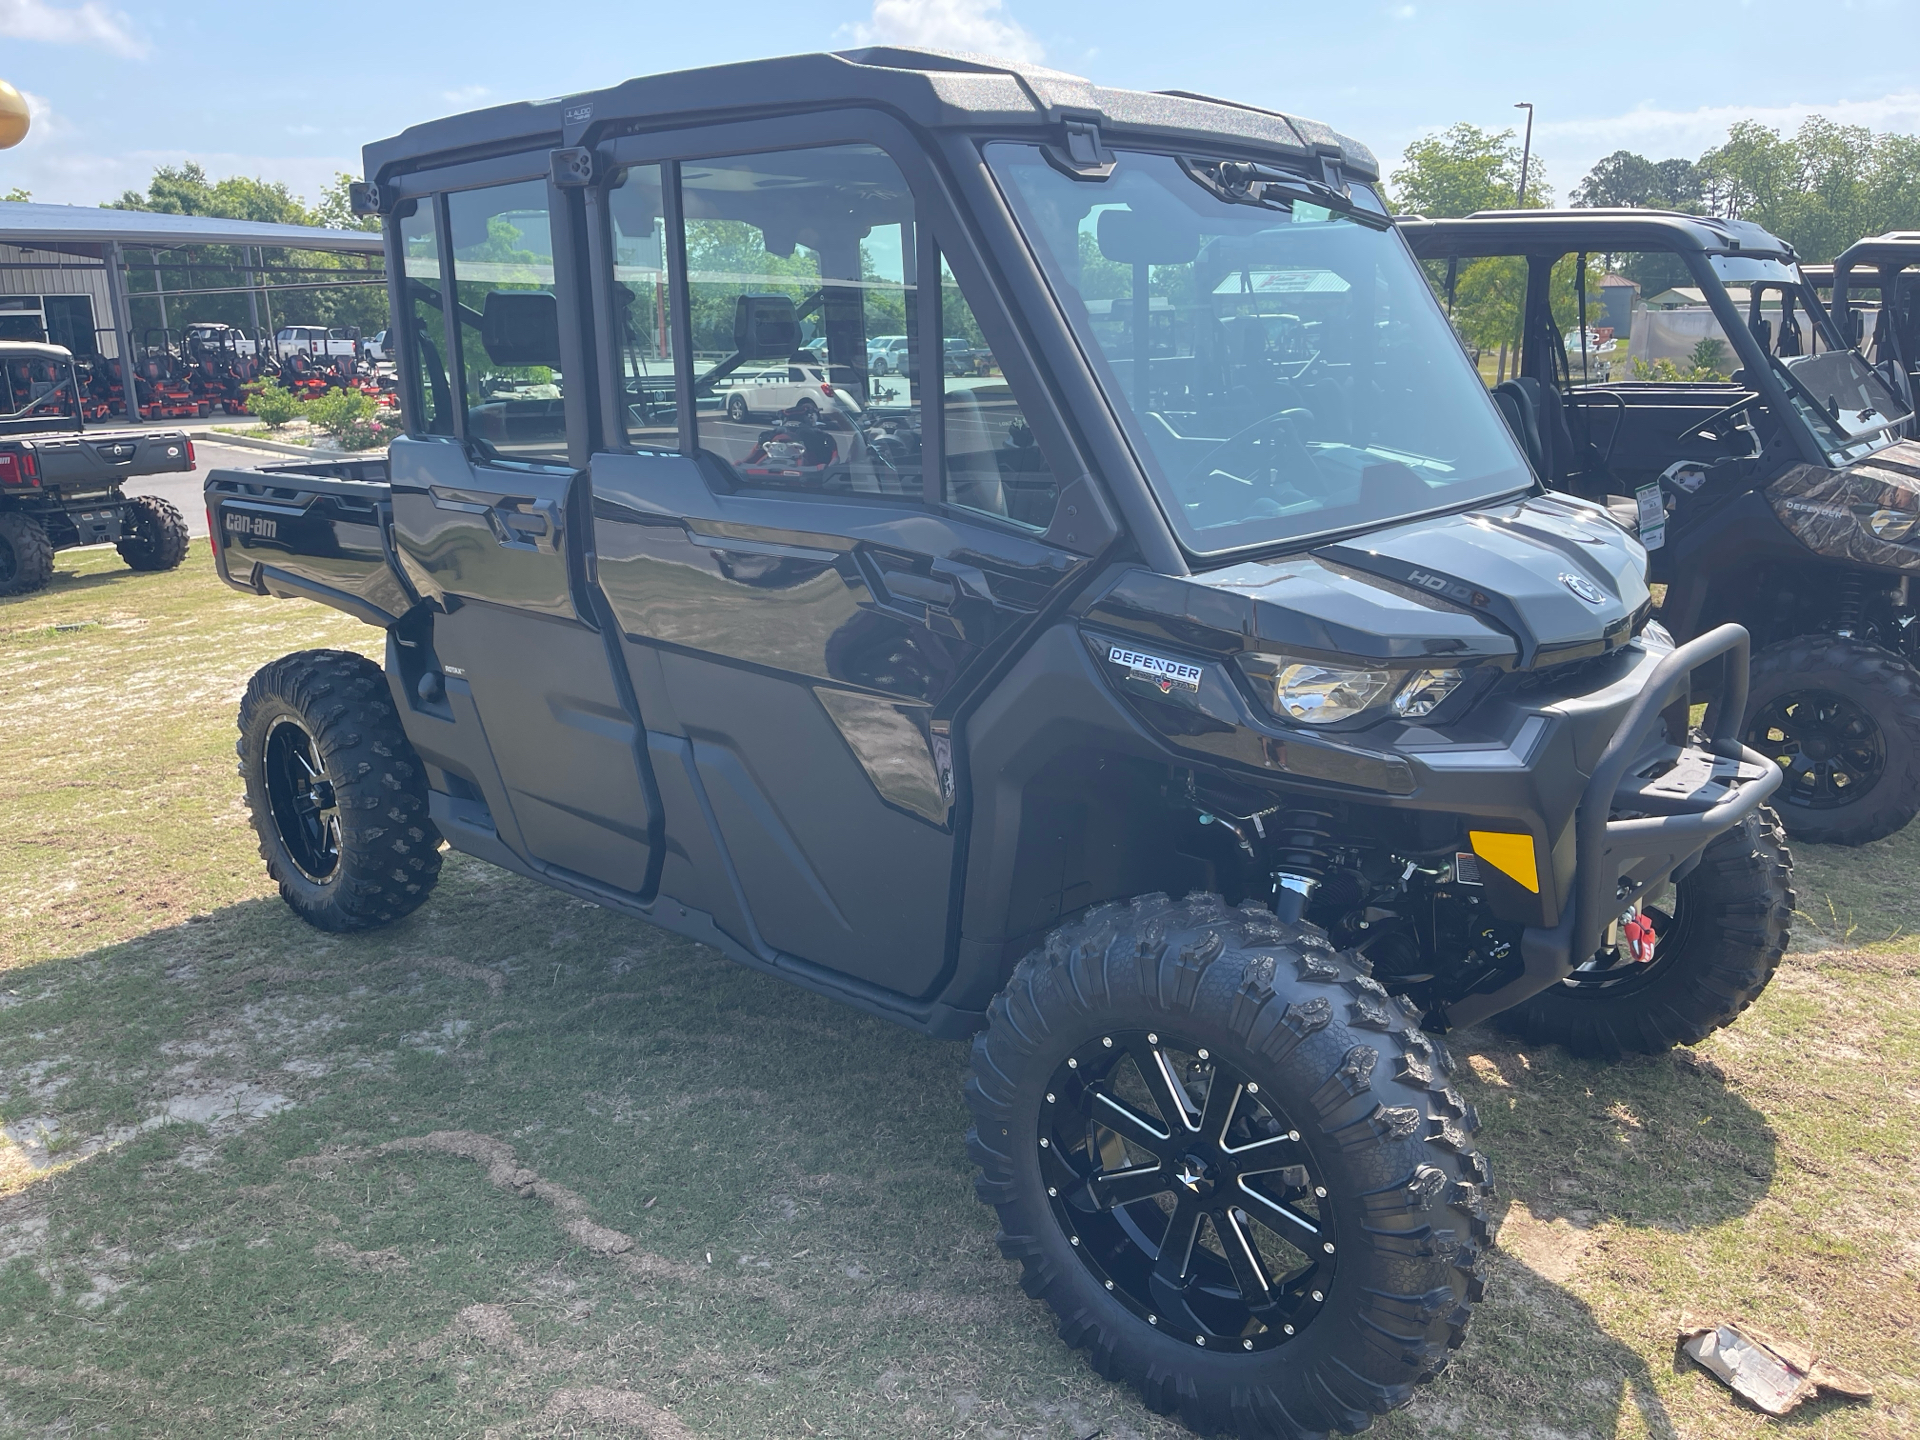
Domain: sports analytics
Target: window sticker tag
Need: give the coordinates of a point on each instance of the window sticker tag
(1653, 516)
(1164, 675)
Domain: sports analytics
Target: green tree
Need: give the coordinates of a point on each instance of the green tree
(1821, 188)
(1626, 179)
(16, 193)
(1462, 169)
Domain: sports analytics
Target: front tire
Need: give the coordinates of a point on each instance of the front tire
(338, 797)
(154, 534)
(737, 409)
(26, 555)
(1167, 1087)
(1842, 718)
(1714, 952)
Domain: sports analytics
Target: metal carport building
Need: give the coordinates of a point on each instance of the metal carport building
(66, 270)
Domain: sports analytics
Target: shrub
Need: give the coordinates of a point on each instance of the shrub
(274, 406)
(349, 417)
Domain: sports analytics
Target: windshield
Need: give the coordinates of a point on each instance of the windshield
(1280, 366)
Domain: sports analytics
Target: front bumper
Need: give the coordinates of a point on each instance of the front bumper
(1646, 813)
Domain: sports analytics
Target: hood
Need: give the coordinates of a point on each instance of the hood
(1531, 582)
(1830, 510)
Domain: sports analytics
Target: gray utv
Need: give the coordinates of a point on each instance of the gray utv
(1182, 700)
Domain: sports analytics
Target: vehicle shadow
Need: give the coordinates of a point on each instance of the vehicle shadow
(731, 1126)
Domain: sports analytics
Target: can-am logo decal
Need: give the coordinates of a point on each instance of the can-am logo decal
(1162, 674)
(1585, 589)
(256, 525)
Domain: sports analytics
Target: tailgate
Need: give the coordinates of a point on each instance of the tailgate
(83, 461)
(308, 537)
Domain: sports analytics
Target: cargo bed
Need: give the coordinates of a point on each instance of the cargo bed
(312, 531)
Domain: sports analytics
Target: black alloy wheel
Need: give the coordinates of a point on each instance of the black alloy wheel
(1186, 1192)
(1832, 750)
(301, 800)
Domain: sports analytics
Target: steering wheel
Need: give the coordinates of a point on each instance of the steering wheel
(1726, 412)
(1234, 453)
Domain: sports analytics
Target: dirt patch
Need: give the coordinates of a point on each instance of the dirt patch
(505, 1172)
(602, 1405)
(1552, 1248)
(378, 1262)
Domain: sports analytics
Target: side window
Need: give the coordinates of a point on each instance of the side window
(642, 336)
(801, 283)
(509, 322)
(992, 462)
(426, 335)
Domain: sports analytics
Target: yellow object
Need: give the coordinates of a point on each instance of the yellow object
(1511, 855)
(13, 116)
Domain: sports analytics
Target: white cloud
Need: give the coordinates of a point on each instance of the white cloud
(977, 25)
(1574, 145)
(466, 94)
(87, 24)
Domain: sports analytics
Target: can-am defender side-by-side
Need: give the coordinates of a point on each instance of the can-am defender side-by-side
(1779, 496)
(1179, 703)
(61, 487)
(1881, 274)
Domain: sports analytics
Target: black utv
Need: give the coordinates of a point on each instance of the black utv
(1714, 406)
(1181, 704)
(60, 487)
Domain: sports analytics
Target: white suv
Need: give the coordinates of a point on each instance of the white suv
(779, 388)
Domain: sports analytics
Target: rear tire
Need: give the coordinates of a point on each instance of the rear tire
(1847, 715)
(1714, 953)
(26, 555)
(737, 409)
(1315, 1050)
(338, 797)
(154, 534)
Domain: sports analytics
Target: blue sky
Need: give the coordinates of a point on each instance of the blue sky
(291, 92)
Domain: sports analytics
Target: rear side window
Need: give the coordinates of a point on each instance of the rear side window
(799, 264)
(509, 322)
(643, 338)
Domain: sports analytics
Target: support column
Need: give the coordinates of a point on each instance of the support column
(123, 328)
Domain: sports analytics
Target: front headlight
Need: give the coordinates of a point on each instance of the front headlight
(1424, 691)
(1315, 693)
(1893, 526)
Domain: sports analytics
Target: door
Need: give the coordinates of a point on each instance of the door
(488, 524)
(802, 603)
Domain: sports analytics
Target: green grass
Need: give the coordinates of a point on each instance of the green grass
(638, 1190)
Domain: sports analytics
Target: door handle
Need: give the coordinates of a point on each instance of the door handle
(908, 586)
(526, 524)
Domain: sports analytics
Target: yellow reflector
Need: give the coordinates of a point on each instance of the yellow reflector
(1511, 855)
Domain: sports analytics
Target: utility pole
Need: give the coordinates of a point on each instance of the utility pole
(1526, 154)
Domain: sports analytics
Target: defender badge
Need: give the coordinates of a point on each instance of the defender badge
(1585, 589)
(1160, 673)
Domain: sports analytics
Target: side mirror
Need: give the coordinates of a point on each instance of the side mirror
(1133, 237)
(521, 327)
(765, 327)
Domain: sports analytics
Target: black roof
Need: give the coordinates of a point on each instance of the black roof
(1896, 248)
(1557, 232)
(929, 88)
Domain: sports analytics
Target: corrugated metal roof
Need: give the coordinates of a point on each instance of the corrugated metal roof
(68, 227)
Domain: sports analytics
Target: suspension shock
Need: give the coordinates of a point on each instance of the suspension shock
(1853, 602)
(1301, 840)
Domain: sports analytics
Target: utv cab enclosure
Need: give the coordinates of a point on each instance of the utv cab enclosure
(1771, 486)
(1888, 266)
(1217, 576)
